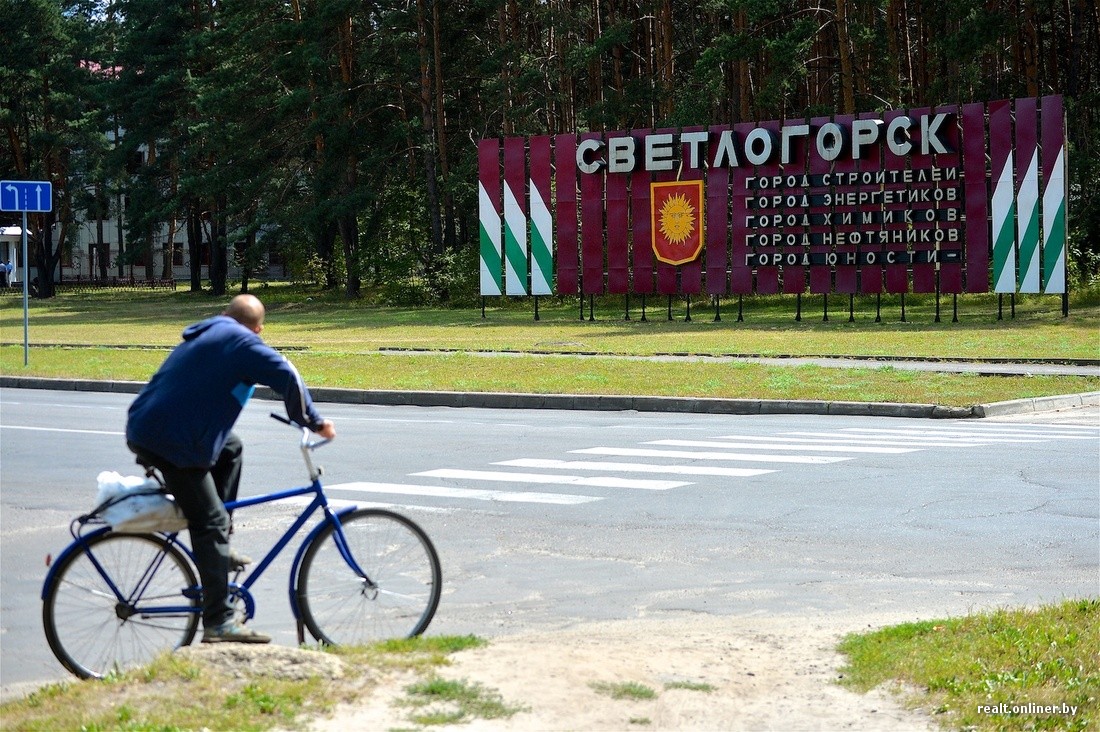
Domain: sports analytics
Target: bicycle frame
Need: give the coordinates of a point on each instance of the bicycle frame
(131, 605)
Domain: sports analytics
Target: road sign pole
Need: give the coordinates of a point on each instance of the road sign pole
(26, 302)
(16, 195)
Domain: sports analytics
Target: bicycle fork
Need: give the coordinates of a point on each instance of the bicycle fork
(333, 517)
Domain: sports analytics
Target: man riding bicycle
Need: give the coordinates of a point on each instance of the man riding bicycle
(181, 423)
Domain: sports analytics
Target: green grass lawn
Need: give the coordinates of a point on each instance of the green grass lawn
(335, 342)
(1033, 669)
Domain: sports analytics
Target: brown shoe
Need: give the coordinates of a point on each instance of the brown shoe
(238, 561)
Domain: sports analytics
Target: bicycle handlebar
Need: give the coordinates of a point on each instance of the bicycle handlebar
(306, 432)
(306, 445)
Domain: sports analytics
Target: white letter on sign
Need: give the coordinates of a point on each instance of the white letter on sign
(766, 138)
(694, 141)
(864, 132)
(585, 147)
(620, 154)
(899, 146)
(658, 152)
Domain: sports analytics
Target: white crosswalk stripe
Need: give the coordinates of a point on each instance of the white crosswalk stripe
(979, 434)
(785, 446)
(634, 467)
(790, 448)
(658, 485)
(465, 493)
(744, 457)
(889, 441)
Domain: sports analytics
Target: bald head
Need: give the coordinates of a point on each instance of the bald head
(248, 311)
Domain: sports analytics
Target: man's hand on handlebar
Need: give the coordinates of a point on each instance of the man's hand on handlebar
(327, 429)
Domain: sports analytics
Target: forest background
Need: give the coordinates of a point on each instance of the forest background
(342, 134)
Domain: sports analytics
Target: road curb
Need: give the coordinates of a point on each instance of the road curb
(617, 403)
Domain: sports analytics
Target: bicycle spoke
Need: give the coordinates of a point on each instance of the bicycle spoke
(339, 607)
(91, 632)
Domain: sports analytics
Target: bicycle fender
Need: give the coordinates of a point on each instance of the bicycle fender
(78, 546)
(294, 568)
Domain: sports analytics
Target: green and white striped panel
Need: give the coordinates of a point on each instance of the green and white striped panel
(515, 217)
(488, 213)
(1004, 229)
(1054, 195)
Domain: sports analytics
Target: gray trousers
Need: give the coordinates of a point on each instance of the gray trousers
(201, 494)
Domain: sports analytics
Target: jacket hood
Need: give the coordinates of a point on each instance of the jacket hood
(193, 331)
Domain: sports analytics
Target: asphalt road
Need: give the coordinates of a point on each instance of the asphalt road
(547, 518)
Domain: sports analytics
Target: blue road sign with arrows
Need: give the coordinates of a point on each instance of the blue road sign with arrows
(32, 196)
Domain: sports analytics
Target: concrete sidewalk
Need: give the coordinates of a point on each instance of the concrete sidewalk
(699, 405)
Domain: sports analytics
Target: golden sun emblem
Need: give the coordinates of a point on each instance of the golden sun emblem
(677, 218)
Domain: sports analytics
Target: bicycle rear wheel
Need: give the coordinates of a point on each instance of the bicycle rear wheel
(93, 632)
(340, 608)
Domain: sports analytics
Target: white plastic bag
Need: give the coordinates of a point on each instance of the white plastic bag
(136, 504)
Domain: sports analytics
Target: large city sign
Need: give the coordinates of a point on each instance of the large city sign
(945, 199)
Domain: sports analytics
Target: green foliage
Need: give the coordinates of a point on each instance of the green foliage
(623, 690)
(174, 694)
(1045, 657)
(439, 701)
(343, 133)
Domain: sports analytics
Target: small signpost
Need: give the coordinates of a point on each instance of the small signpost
(27, 196)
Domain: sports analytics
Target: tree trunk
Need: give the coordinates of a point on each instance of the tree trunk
(194, 244)
(847, 77)
(428, 129)
(219, 249)
(449, 242)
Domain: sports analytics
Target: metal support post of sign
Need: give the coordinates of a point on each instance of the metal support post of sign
(798, 308)
(878, 307)
(825, 303)
(536, 308)
(717, 309)
(26, 195)
(851, 308)
(740, 308)
(687, 319)
(903, 307)
(26, 300)
(954, 308)
(643, 308)
(937, 302)
(670, 307)
(591, 308)
(626, 308)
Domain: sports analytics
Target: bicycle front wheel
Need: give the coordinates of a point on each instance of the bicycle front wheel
(94, 630)
(397, 600)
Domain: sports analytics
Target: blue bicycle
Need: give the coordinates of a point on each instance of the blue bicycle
(112, 600)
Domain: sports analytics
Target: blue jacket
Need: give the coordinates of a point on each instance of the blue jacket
(187, 410)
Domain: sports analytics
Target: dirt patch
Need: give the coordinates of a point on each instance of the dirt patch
(709, 673)
(241, 660)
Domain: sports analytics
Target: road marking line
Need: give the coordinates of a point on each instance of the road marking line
(979, 434)
(340, 503)
(633, 467)
(653, 485)
(59, 429)
(639, 452)
(811, 437)
(465, 493)
(781, 446)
